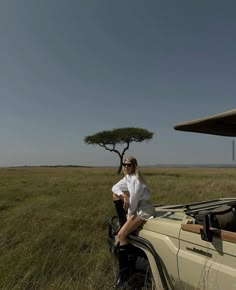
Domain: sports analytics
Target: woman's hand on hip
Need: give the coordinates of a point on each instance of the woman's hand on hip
(126, 204)
(126, 201)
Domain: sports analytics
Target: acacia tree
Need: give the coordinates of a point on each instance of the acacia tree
(111, 139)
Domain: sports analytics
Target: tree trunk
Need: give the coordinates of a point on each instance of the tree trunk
(120, 166)
(121, 159)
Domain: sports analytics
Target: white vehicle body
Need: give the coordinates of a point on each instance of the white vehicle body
(191, 246)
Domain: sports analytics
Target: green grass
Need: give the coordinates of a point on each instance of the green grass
(53, 232)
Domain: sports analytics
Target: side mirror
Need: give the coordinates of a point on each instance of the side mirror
(206, 232)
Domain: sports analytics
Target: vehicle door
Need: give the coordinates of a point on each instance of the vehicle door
(207, 265)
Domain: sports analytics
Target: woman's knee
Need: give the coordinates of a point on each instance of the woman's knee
(115, 197)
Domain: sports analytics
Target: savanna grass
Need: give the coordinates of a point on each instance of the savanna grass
(53, 232)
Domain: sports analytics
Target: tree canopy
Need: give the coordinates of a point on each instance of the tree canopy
(110, 139)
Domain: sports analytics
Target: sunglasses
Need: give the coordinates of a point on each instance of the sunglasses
(127, 164)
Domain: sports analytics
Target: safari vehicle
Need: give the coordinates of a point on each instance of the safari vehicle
(186, 246)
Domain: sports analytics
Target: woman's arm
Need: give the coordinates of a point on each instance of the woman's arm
(120, 187)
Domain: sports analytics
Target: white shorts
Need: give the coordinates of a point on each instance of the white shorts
(145, 210)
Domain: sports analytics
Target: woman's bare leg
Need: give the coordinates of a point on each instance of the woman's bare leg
(131, 224)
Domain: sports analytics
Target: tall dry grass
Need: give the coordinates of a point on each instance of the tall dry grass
(53, 232)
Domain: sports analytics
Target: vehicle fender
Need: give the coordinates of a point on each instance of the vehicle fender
(154, 260)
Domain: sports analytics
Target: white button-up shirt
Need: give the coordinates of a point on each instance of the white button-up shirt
(137, 191)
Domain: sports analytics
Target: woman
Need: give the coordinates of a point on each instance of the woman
(130, 194)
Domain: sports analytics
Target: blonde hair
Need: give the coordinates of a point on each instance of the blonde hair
(137, 172)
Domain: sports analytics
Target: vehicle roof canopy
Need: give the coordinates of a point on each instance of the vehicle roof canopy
(223, 124)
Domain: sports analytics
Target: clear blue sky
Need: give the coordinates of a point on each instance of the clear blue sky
(69, 69)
